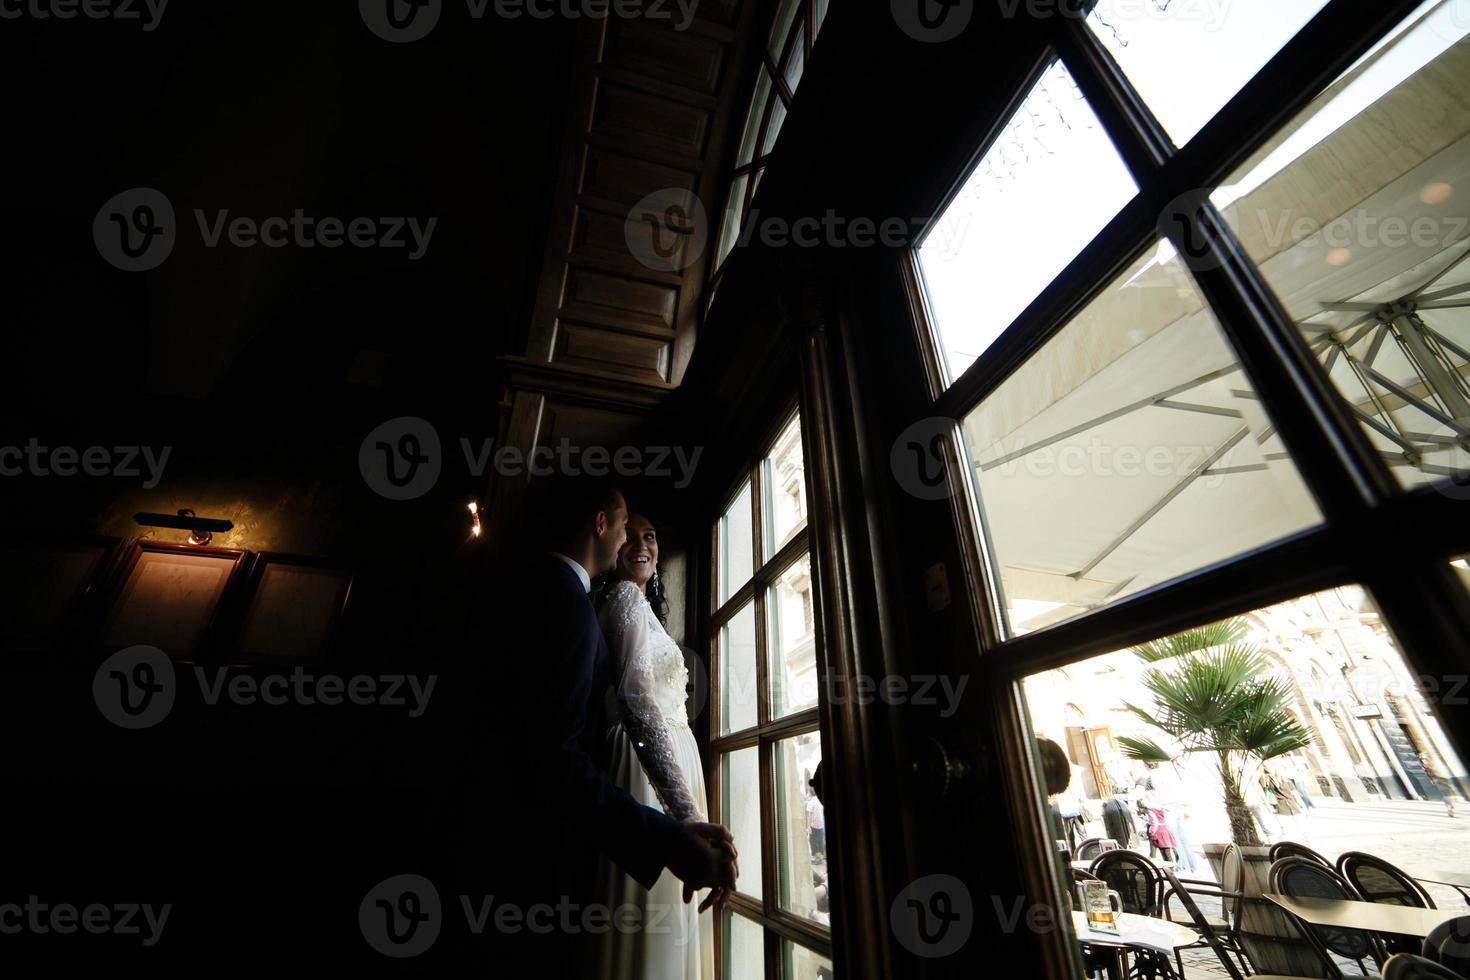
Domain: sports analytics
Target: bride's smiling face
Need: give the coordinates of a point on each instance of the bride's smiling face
(639, 556)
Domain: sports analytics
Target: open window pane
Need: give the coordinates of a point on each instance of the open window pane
(801, 830)
(800, 963)
(785, 488)
(741, 812)
(1345, 750)
(1358, 214)
(738, 683)
(1188, 59)
(737, 545)
(793, 644)
(1129, 450)
(1043, 190)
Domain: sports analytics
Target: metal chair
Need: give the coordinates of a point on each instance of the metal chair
(1135, 878)
(1407, 966)
(1274, 940)
(1378, 881)
(1304, 878)
(1091, 848)
(1448, 944)
(1217, 943)
(1287, 848)
(1217, 934)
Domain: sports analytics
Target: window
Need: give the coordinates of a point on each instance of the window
(765, 742)
(783, 60)
(1130, 450)
(1340, 719)
(1203, 357)
(1359, 217)
(1216, 47)
(1051, 157)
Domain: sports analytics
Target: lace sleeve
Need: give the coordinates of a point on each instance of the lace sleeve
(625, 621)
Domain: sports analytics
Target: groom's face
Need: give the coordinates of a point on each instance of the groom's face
(612, 534)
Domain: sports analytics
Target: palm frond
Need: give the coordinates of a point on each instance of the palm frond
(1201, 638)
(1144, 750)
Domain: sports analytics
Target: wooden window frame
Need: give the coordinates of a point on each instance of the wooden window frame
(1396, 544)
(776, 923)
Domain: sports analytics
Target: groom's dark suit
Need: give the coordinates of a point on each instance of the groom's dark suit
(540, 802)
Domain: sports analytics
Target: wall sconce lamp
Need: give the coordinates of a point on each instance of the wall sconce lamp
(201, 529)
(475, 529)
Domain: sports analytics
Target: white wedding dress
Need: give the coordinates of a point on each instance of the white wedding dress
(652, 755)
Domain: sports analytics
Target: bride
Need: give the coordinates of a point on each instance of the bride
(651, 754)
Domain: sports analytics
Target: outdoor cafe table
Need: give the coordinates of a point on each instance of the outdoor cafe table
(1134, 932)
(1141, 931)
(1374, 917)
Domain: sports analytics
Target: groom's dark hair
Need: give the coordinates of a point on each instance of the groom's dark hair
(567, 502)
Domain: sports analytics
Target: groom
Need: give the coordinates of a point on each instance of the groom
(549, 746)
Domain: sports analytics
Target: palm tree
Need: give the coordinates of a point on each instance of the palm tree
(1213, 692)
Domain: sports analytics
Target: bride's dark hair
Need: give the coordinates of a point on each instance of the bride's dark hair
(657, 597)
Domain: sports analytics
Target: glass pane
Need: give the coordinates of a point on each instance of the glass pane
(1188, 59)
(785, 488)
(793, 646)
(821, 14)
(781, 27)
(738, 684)
(773, 127)
(796, 61)
(1345, 750)
(1462, 565)
(1358, 214)
(802, 829)
(753, 119)
(745, 949)
(1129, 450)
(741, 812)
(988, 255)
(734, 217)
(800, 963)
(737, 545)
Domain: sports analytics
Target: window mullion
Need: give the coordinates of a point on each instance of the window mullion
(1330, 449)
(1140, 140)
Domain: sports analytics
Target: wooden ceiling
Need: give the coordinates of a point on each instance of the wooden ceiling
(650, 112)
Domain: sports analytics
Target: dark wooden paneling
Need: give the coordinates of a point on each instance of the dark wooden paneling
(601, 294)
(648, 124)
(624, 180)
(659, 52)
(627, 355)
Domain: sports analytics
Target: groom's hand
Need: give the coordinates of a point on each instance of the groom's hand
(704, 856)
